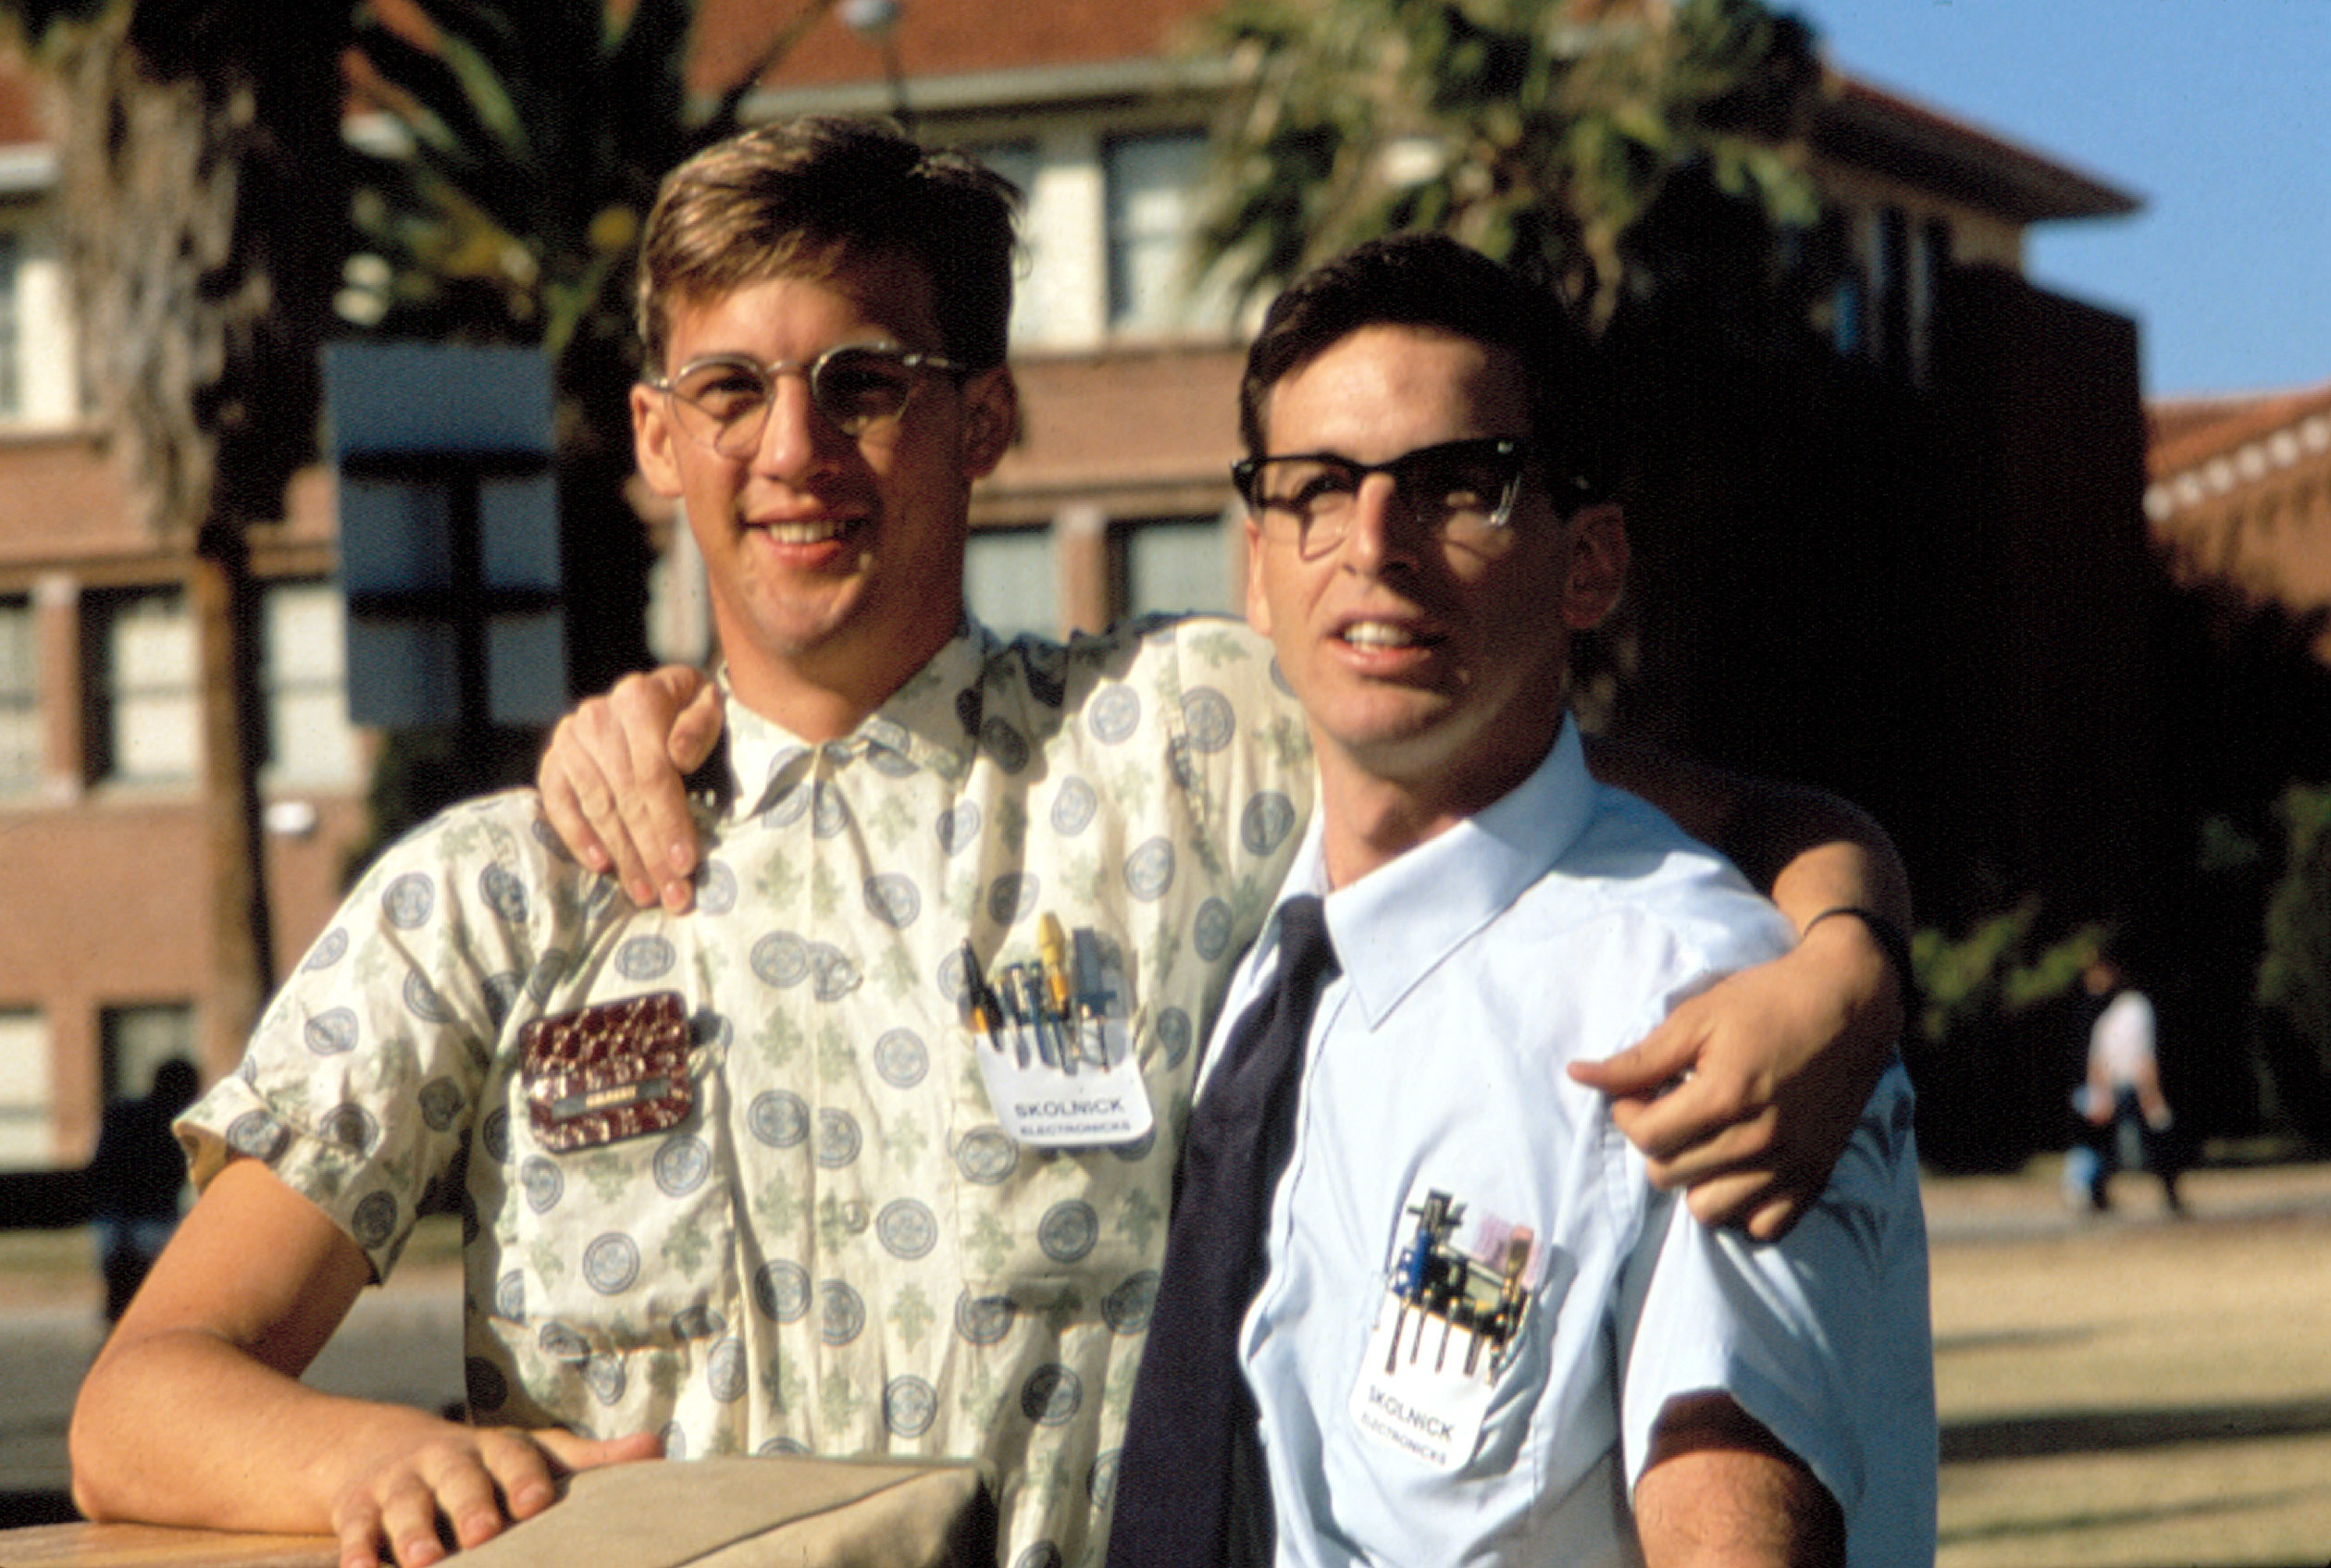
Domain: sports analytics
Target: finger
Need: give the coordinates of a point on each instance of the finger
(1644, 1068)
(699, 725)
(582, 778)
(359, 1532)
(1776, 1218)
(1670, 1125)
(651, 789)
(574, 1453)
(1731, 1199)
(597, 751)
(556, 787)
(1734, 1147)
(470, 1490)
(408, 1522)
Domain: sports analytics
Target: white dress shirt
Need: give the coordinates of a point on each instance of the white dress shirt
(1562, 923)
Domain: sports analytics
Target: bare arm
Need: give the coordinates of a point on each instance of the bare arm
(1719, 1492)
(194, 1413)
(1782, 1056)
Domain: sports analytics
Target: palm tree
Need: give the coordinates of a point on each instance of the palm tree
(200, 169)
(1553, 133)
(529, 138)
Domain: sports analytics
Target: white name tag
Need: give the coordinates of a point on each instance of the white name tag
(1455, 1295)
(1414, 1395)
(1062, 1075)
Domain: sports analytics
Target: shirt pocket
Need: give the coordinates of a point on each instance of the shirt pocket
(1048, 1227)
(614, 1255)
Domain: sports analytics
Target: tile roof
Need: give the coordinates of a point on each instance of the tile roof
(2185, 433)
(938, 37)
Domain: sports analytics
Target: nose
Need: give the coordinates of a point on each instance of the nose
(1384, 531)
(798, 440)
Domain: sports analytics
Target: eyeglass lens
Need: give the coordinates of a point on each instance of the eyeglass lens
(1461, 490)
(725, 403)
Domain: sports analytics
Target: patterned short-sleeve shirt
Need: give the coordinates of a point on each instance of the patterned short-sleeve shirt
(840, 1250)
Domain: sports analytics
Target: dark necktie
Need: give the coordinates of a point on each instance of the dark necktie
(1190, 1483)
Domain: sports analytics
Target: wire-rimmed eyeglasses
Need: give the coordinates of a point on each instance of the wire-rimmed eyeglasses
(723, 401)
(1463, 491)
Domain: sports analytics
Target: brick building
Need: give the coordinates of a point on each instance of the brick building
(2239, 493)
(1115, 500)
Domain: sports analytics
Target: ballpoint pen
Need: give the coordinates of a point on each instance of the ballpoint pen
(977, 998)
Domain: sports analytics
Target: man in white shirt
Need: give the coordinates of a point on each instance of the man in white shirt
(2128, 1117)
(1478, 1333)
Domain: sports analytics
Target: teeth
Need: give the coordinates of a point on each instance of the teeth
(803, 533)
(1377, 634)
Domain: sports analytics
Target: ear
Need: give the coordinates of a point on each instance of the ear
(1257, 602)
(991, 418)
(652, 441)
(1597, 573)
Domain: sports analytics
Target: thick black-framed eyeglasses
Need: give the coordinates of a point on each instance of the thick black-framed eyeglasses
(1463, 491)
(723, 401)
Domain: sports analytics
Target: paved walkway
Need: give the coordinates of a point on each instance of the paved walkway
(404, 1340)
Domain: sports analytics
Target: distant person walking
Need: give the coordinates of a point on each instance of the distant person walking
(2130, 1122)
(135, 1180)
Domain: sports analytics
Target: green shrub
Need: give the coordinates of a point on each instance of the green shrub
(2294, 974)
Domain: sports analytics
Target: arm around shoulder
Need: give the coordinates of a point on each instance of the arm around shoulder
(1781, 1057)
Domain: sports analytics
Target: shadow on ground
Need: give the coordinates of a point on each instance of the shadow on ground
(2057, 1434)
(2029, 1528)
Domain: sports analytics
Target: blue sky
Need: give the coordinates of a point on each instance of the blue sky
(2209, 111)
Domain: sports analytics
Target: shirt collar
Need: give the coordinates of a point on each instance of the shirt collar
(1394, 926)
(931, 722)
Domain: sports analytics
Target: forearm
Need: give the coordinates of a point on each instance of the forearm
(181, 1428)
(1775, 1062)
(1809, 850)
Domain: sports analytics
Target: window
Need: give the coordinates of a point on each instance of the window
(147, 727)
(28, 1091)
(11, 326)
(1031, 307)
(1892, 288)
(1011, 581)
(304, 671)
(1152, 221)
(137, 1040)
(19, 699)
(1177, 563)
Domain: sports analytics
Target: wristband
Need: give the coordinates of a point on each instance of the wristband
(1886, 934)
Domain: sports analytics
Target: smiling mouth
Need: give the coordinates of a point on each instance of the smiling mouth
(808, 531)
(1383, 634)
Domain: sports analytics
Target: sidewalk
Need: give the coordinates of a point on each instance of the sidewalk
(2030, 1202)
(404, 1340)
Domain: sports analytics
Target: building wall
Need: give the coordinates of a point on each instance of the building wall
(1115, 498)
(2244, 499)
(108, 876)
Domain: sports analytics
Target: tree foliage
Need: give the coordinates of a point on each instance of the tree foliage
(525, 141)
(200, 214)
(528, 138)
(1546, 132)
(2294, 975)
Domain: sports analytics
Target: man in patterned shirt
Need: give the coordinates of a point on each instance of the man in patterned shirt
(846, 1203)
